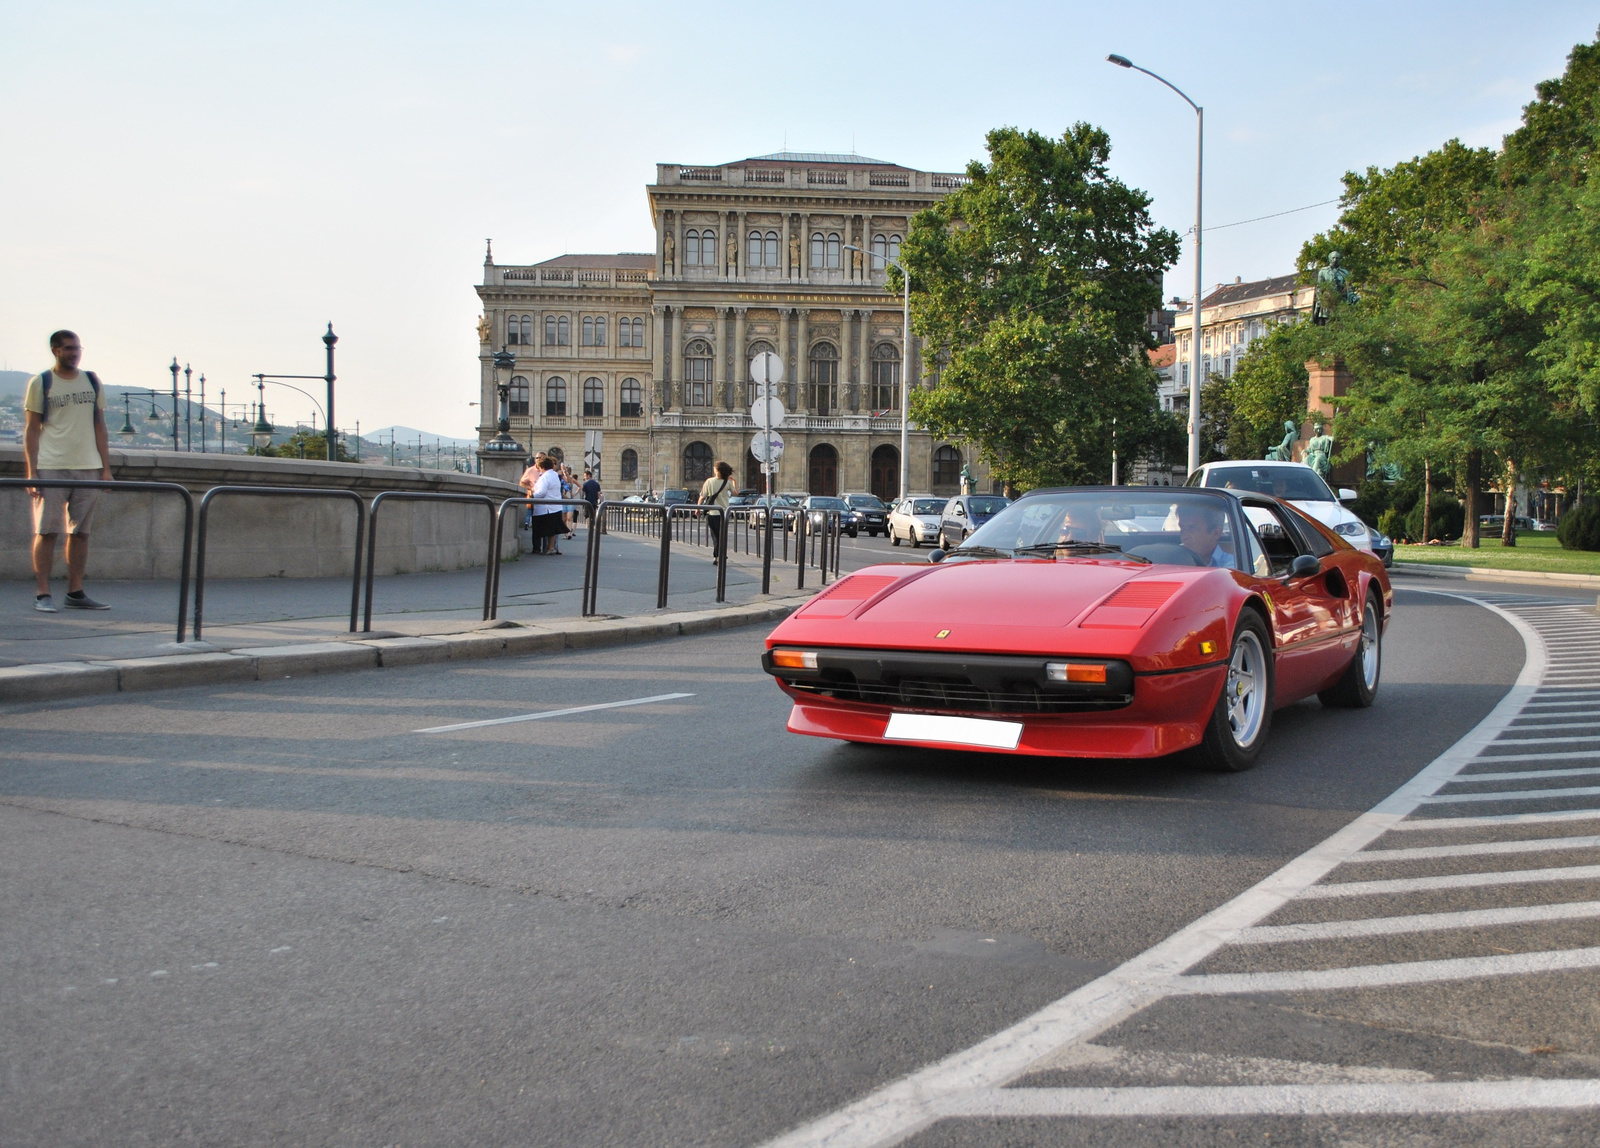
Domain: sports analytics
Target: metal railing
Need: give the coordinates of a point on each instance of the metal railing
(269, 492)
(167, 487)
(489, 566)
(492, 578)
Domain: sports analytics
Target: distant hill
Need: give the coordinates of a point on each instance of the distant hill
(404, 434)
(12, 382)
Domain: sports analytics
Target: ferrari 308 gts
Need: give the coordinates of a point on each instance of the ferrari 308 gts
(1094, 622)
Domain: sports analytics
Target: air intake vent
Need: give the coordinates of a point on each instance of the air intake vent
(1131, 606)
(840, 598)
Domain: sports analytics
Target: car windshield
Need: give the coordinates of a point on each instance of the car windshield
(1297, 483)
(828, 504)
(1152, 524)
(866, 501)
(987, 505)
(927, 506)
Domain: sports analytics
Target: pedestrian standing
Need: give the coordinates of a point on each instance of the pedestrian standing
(715, 493)
(64, 437)
(547, 520)
(569, 489)
(591, 492)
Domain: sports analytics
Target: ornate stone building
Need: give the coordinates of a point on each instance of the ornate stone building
(641, 361)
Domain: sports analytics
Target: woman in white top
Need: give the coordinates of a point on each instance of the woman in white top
(547, 520)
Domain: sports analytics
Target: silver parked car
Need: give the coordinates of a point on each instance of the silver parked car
(916, 519)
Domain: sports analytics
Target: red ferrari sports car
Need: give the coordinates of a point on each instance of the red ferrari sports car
(1094, 622)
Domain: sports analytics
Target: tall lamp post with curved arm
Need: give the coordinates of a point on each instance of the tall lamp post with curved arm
(1194, 337)
(905, 358)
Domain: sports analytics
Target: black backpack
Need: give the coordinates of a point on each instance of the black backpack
(48, 377)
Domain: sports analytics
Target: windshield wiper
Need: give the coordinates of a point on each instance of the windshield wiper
(975, 551)
(1081, 548)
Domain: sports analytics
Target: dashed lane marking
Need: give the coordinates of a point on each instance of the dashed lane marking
(553, 713)
(1552, 685)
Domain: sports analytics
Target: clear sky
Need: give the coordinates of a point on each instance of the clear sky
(217, 181)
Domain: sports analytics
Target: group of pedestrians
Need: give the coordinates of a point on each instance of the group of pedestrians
(548, 478)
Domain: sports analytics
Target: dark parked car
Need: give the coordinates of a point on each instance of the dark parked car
(816, 509)
(965, 513)
(868, 513)
(782, 511)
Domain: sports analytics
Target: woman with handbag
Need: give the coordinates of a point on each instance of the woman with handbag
(715, 493)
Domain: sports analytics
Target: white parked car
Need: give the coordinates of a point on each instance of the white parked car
(1297, 483)
(916, 519)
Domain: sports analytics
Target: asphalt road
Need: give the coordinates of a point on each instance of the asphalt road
(277, 913)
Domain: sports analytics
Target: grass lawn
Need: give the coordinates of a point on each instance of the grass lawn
(1532, 552)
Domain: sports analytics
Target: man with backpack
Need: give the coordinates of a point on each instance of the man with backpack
(64, 438)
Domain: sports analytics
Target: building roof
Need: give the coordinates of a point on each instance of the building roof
(1164, 355)
(1227, 293)
(621, 259)
(816, 157)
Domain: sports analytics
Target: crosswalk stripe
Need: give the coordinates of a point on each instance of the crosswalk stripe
(1486, 821)
(1450, 881)
(1417, 923)
(1525, 774)
(1400, 973)
(1514, 795)
(1478, 849)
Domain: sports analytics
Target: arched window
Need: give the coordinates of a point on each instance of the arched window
(884, 245)
(946, 470)
(691, 248)
(697, 461)
(630, 465)
(527, 330)
(549, 330)
(753, 255)
(624, 333)
(563, 338)
(588, 330)
(885, 377)
(697, 374)
(833, 251)
(511, 330)
(638, 332)
(700, 248)
(772, 249)
(819, 247)
(594, 398)
(555, 396)
(517, 396)
(599, 330)
(632, 399)
(821, 394)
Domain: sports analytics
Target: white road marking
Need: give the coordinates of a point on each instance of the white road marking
(1450, 881)
(1525, 774)
(1571, 737)
(1515, 795)
(552, 713)
(1282, 1099)
(1479, 848)
(1417, 923)
(1556, 724)
(1403, 973)
(1497, 819)
(1558, 755)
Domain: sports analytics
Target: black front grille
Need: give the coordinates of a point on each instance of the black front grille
(956, 683)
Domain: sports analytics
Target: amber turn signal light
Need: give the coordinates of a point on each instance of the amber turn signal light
(1075, 672)
(795, 659)
(1208, 647)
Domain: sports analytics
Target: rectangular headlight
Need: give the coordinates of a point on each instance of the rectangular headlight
(795, 659)
(1075, 672)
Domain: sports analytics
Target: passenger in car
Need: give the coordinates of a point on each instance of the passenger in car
(1200, 533)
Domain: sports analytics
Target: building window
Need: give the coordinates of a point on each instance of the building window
(638, 332)
(630, 332)
(630, 465)
(594, 398)
(833, 252)
(549, 330)
(697, 460)
(519, 331)
(555, 396)
(632, 399)
(511, 330)
(825, 250)
(594, 330)
(1183, 376)
(762, 249)
(517, 396)
(588, 330)
(691, 249)
(946, 468)
(700, 248)
(557, 332)
(822, 393)
(753, 253)
(697, 374)
(771, 243)
(884, 245)
(885, 377)
(819, 247)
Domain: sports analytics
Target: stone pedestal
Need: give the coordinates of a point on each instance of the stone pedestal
(505, 465)
(1328, 381)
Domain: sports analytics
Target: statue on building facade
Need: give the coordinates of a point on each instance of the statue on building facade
(485, 329)
(1333, 286)
(671, 254)
(733, 254)
(1319, 453)
(794, 254)
(1284, 451)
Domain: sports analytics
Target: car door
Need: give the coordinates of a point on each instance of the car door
(1307, 619)
(953, 528)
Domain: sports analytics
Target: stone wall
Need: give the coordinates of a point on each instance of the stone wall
(139, 534)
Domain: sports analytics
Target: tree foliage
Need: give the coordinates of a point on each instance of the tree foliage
(1036, 280)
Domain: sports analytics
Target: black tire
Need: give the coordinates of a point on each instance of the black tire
(1359, 685)
(1238, 727)
(894, 539)
(916, 542)
(855, 534)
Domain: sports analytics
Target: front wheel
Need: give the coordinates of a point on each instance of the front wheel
(1238, 727)
(894, 539)
(1359, 685)
(916, 540)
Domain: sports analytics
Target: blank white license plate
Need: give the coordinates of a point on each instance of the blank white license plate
(954, 730)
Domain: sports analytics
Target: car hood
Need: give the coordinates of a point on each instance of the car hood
(1331, 515)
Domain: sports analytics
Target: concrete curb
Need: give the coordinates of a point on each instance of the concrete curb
(55, 680)
(1489, 574)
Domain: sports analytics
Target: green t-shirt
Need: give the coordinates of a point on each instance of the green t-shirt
(66, 441)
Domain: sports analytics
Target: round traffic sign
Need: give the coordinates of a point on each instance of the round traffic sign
(767, 447)
(766, 368)
(767, 412)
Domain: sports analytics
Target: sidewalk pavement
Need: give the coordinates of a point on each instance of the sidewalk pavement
(256, 629)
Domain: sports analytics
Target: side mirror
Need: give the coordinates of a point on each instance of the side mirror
(935, 556)
(1305, 566)
(1347, 495)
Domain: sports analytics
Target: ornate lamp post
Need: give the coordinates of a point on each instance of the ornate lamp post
(502, 443)
(127, 432)
(261, 433)
(328, 341)
(174, 369)
(188, 406)
(1194, 347)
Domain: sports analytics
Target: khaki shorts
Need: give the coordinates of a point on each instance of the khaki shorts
(65, 505)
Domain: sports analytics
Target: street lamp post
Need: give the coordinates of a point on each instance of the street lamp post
(905, 360)
(174, 369)
(188, 406)
(1194, 336)
(328, 340)
(202, 412)
(502, 443)
(127, 432)
(261, 433)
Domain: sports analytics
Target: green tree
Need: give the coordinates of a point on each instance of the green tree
(301, 444)
(1036, 280)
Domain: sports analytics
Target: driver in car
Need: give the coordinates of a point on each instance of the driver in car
(1080, 524)
(1200, 533)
